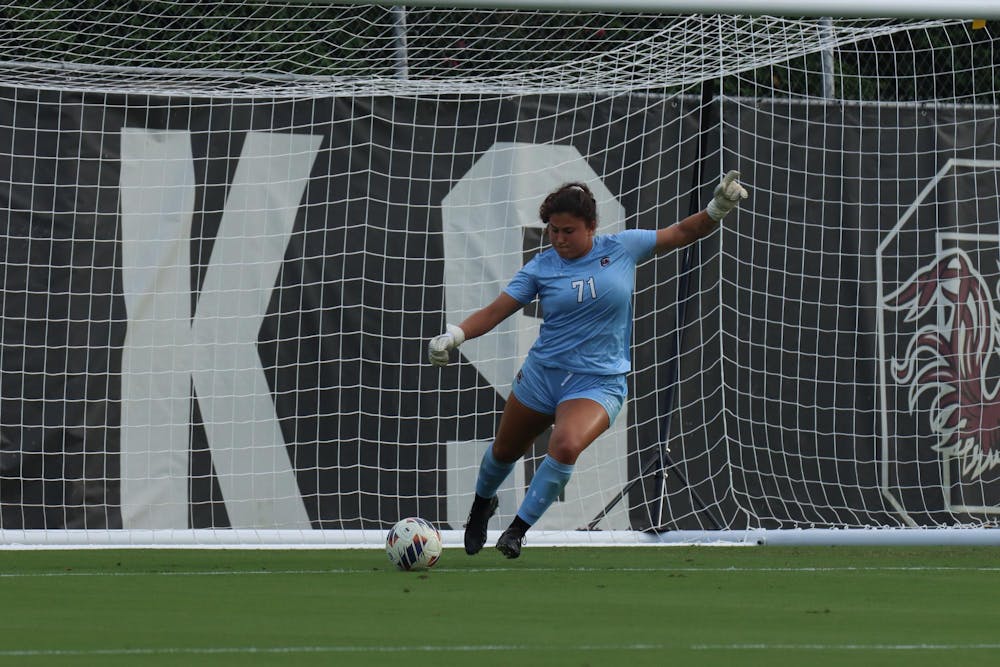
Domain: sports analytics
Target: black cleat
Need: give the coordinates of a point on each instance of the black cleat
(475, 527)
(510, 542)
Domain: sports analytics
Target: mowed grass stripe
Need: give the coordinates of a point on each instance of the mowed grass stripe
(538, 560)
(569, 606)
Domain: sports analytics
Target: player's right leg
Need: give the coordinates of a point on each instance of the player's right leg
(587, 409)
(519, 426)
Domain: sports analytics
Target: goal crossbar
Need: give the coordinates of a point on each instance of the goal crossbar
(906, 9)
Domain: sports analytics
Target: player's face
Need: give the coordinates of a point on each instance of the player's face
(570, 235)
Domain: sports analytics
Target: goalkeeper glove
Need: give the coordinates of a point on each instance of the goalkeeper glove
(437, 349)
(728, 194)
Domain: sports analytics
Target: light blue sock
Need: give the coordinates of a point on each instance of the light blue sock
(492, 473)
(549, 481)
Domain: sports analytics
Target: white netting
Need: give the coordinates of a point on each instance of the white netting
(294, 48)
(231, 228)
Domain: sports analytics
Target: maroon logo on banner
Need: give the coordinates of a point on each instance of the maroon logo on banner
(957, 337)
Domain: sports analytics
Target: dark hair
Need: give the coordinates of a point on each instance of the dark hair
(573, 198)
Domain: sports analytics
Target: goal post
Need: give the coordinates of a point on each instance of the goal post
(229, 230)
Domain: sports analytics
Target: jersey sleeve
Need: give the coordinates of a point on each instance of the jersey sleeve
(638, 243)
(523, 286)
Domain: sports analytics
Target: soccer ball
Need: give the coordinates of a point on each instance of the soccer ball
(413, 544)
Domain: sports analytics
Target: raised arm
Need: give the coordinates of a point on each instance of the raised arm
(727, 196)
(475, 325)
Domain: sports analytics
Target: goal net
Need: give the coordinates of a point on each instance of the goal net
(229, 230)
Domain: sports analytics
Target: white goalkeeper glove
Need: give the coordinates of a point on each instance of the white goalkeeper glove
(438, 348)
(728, 194)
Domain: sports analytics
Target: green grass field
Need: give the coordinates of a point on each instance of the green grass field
(554, 606)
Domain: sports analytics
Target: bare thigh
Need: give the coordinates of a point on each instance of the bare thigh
(578, 422)
(519, 426)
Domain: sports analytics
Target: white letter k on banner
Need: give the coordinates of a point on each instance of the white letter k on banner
(165, 348)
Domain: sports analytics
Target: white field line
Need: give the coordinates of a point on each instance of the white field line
(844, 647)
(484, 648)
(318, 649)
(444, 570)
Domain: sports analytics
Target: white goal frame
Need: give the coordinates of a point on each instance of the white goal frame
(912, 534)
(968, 9)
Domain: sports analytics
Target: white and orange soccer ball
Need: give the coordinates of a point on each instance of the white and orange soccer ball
(413, 544)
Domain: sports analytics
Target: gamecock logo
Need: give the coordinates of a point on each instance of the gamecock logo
(947, 358)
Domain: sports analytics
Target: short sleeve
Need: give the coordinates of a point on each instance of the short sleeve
(523, 286)
(638, 243)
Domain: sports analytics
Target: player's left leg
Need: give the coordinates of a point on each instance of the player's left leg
(578, 422)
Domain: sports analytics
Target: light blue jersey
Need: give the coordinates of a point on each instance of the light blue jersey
(586, 303)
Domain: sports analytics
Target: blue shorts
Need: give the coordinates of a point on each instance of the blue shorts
(542, 389)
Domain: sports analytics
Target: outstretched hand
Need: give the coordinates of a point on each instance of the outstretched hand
(727, 196)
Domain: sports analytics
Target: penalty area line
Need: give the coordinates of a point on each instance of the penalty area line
(844, 647)
(266, 650)
(485, 648)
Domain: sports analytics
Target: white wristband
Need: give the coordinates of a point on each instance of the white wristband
(456, 333)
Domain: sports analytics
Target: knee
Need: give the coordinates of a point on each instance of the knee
(565, 449)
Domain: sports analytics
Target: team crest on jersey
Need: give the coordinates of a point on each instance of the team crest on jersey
(605, 261)
(520, 375)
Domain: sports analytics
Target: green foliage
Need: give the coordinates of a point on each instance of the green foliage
(953, 64)
(236, 36)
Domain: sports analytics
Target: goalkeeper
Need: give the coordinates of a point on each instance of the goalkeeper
(574, 378)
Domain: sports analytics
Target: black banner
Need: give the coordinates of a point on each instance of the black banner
(775, 420)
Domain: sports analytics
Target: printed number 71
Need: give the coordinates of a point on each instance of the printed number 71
(578, 284)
